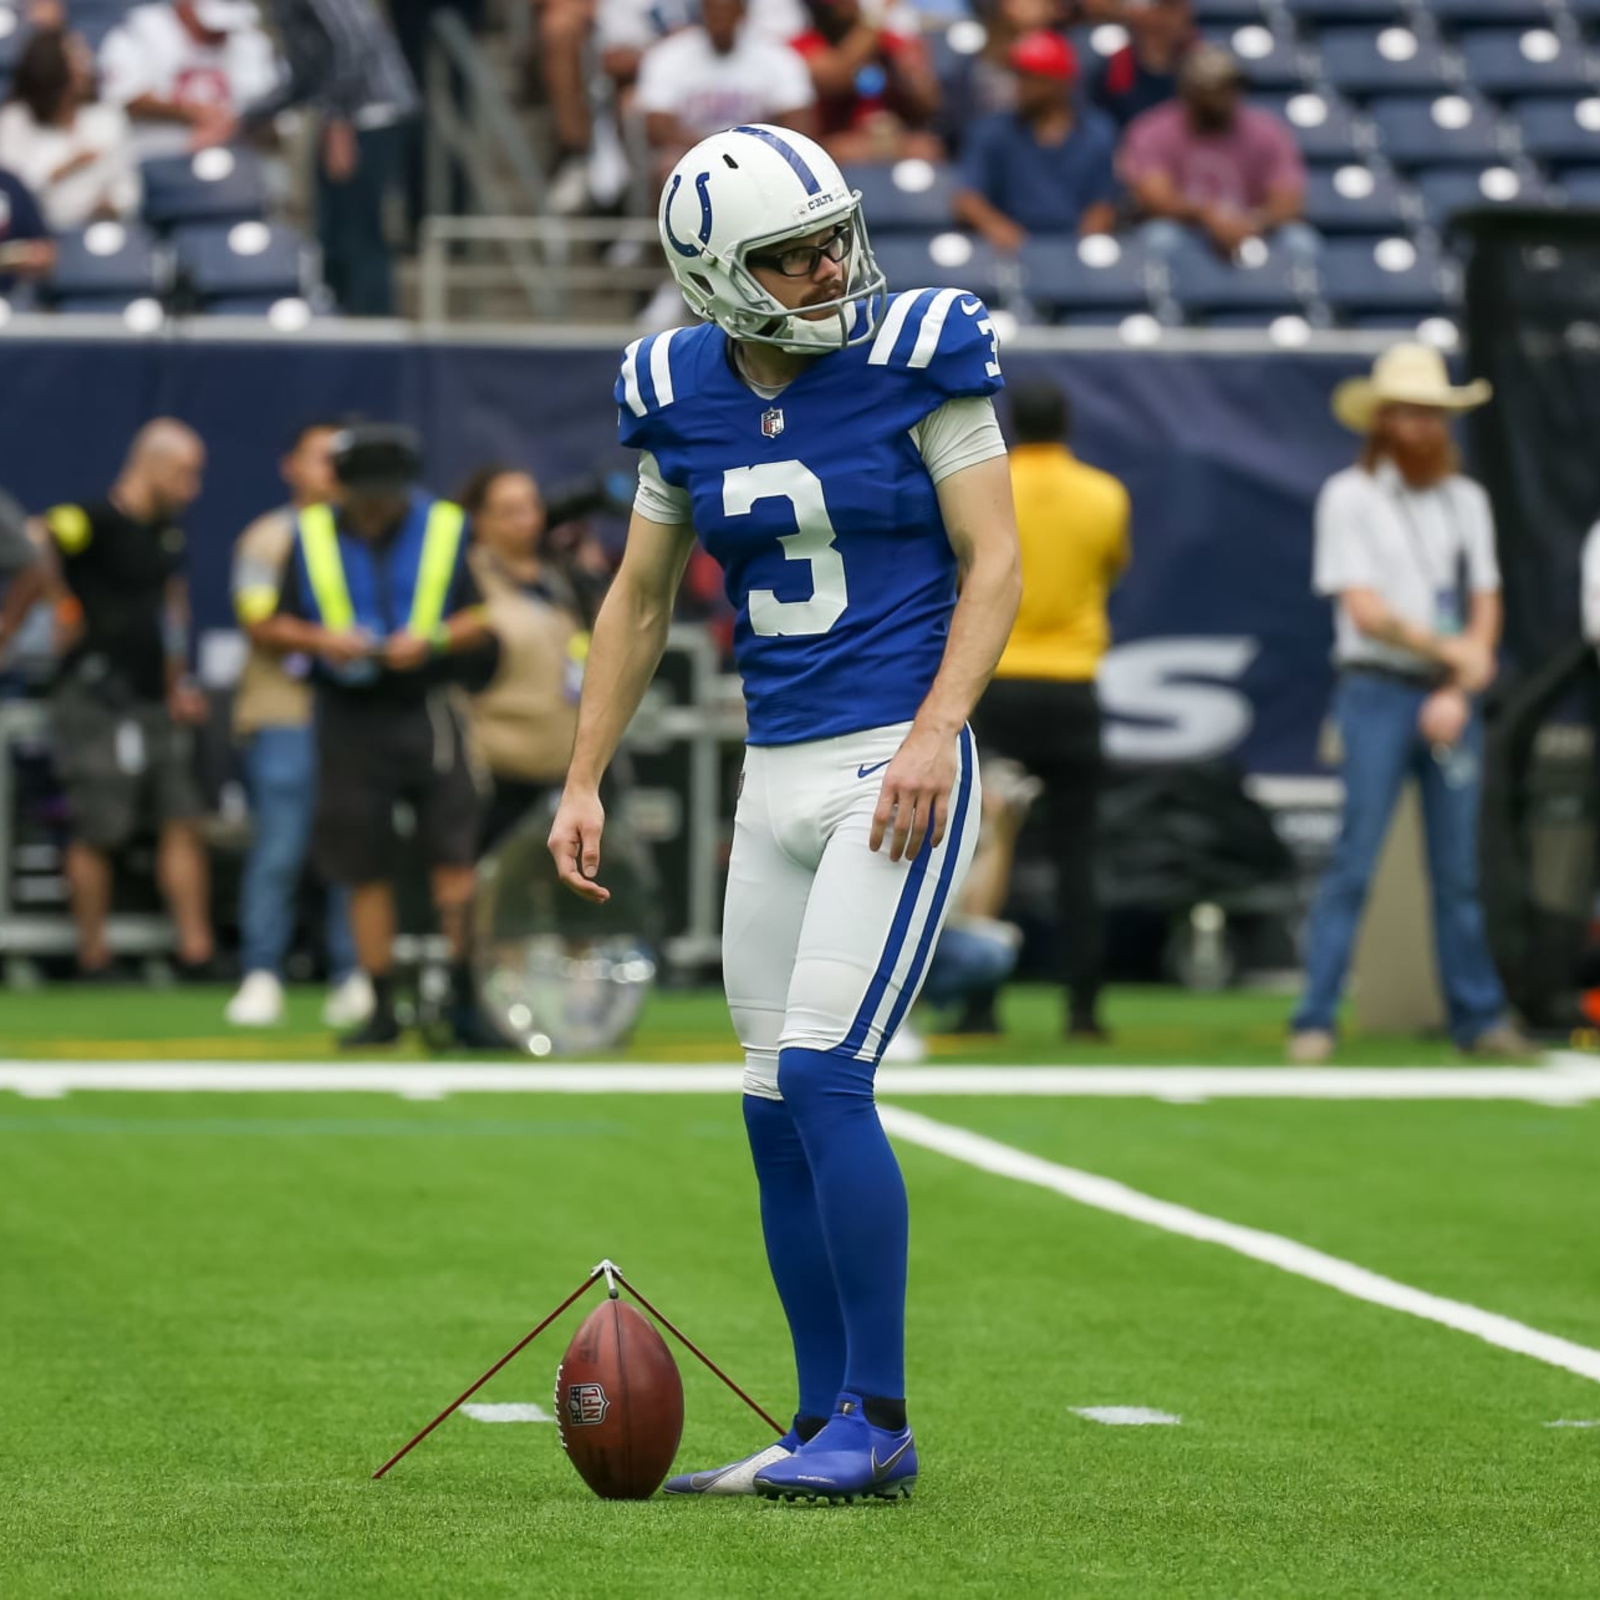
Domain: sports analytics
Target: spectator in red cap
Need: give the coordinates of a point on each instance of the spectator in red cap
(877, 92)
(1209, 163)
(1048, 166)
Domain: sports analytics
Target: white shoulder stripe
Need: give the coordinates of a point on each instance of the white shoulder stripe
(893, 322)
(661, 366)
(630, 379)
(932, 327)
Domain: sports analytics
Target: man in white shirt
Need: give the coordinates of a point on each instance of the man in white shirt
(719, 75)
(175, 68)
(1405, 548)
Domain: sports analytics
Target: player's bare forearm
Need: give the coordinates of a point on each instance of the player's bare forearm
(630, 635)
(625, 649)
(982, 525)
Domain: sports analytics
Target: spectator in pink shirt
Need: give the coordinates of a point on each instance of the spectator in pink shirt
(1206, 161)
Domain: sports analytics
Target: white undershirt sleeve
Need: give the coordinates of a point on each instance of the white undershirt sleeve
(960, 433)
(659, 500)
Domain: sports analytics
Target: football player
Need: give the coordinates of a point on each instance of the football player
(835, 448)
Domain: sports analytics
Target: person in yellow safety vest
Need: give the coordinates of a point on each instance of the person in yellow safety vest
(379, 596)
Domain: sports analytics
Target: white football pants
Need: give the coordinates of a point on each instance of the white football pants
(825, 942)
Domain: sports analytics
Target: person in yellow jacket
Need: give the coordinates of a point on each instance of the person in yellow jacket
(379, 595)
(1042, 709)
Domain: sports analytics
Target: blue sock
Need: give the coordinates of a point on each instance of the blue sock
(797, 1254)
(861, 1200)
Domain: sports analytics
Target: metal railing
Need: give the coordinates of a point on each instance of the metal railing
(602, 256)
(474, 138)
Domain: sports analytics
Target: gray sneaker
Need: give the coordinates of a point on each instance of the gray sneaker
(1503, 1042)
(1310, 1047)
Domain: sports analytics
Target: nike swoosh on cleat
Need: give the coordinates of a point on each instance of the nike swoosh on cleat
(881, 1470)
(877, 766)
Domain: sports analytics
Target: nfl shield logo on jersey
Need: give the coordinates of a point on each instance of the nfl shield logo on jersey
(771, 423)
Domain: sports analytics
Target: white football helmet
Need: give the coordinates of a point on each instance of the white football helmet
(750, 188)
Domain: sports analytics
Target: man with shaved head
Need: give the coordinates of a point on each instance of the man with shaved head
(123, 704)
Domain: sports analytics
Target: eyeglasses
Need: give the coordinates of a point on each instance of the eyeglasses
(802, 260)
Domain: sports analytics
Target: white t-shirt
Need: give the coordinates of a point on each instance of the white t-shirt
(1416, 550)
(151, 53)
(958, 434)
(756, 81)
(637, 24)
(34, 152)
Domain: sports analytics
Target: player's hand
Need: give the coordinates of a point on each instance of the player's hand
(575, 842)
(1444, 716)
(915, 797)
(405, 652)
(344, 649)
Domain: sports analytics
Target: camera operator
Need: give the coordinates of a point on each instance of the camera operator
(379, 594)
(122, 702)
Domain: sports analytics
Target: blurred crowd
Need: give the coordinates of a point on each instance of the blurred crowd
(1159, 135)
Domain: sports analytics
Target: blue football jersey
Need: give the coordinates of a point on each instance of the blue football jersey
(818, 507)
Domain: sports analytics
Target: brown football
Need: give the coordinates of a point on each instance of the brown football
(619, 1403)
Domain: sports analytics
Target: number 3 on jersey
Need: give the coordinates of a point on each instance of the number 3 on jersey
(812, 542)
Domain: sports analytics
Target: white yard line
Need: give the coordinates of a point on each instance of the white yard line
(1569, 1080)
(1104, 1194)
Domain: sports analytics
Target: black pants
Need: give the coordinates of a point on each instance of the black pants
(1053, 729)
(511, 802)
(355, 252)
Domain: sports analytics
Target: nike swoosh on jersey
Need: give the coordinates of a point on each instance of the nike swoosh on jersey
(972, 307)
(882, 1469)
(878, 766)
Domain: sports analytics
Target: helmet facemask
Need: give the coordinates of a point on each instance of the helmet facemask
(748, 312)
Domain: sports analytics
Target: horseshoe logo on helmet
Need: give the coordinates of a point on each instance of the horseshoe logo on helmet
(702, 186)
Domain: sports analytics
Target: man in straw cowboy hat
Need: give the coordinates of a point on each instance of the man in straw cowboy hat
(1405, 545)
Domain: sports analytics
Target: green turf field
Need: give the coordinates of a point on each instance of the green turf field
(220, 1312)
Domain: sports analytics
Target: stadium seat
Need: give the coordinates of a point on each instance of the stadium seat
(1560, 131)
(946, 261)
(1332, 13)
(1270, 60)
(1437, 131)
(1365, 61)
(1216, 12)
(1507, 61)
(1461, 15)
(1391, 276)
(905, 196)
(1581, 187)
(1446, 190)
(214, 186)
(1077, 279)
(1203, 285)
(1324, 126)
(108, 262)
(1353, 198)
(253, 260)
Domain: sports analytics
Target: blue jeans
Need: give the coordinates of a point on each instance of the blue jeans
(1377, 721)
(281, 769)
(1163, 239)
(966, 962)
